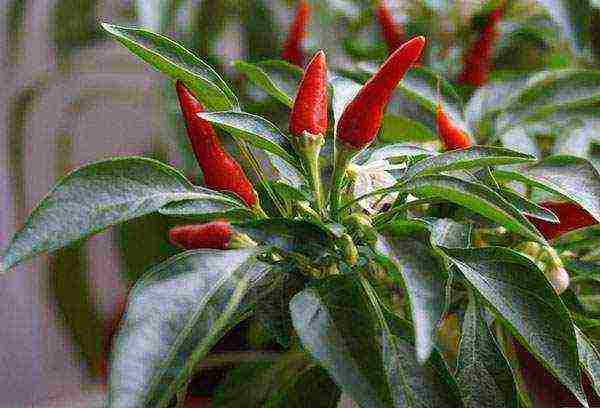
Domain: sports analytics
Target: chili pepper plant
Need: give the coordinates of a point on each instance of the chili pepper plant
(392, 273)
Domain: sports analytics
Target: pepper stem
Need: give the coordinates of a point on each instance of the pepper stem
(343, 156)
(309, 149)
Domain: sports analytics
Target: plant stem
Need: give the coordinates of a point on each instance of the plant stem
(342, 160)
(311, 163)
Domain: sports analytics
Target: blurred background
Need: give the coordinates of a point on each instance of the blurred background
(70, 95)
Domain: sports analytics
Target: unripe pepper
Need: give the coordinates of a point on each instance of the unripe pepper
(478, 59)
(570, 215)
(361, 120)
(221, 172)
(452, 136)
(309, 112)
(390, 30)
(292, 48)
(214, 235)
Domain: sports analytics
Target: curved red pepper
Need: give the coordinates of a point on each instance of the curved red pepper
(452, 136)
(362, 118)
(478, 60)
(215, 235)
(390, 30)
(292, 48)
(221, 172)
(571, 217)
(309, 112)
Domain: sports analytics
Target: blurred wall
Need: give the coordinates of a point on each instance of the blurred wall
(68, 96)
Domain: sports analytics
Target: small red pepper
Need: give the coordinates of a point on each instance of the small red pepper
(570, 215)
(362, 118)
(215, 235)
(292, 48)
(478, 60)
(221, 172)
(452, 136)
(390, 30)
(309, 112)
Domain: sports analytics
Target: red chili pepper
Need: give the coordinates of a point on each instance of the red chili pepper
(571, 217)
(215, 235)
(479, 58)
(451, 135)
(221, 172)
(309, 112)
(292, 48)
(390, 30)
(362, 118)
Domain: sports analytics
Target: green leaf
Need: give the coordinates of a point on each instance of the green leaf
(395, 128)
(256, 130)
(573, 178)
(476, 156)
(175, 315)
(292, 381)
(523, 298)
(448, 233)
(528, 207)
(204, 210)
(281, 87)
(422, 272)
(483, 373)
(174, 60)
(477, 198)
(582, 238)
(373, 364)
(589, 358)
(101, 195)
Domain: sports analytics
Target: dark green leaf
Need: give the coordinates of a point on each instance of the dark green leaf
(203, 210)
(573, 178)
(98, 196)
(282, 87)
(476, 156)
(396, 150)
(373, 364)
(176, 313)
(475, 197)
(523, 298)
(528, 207)
(173, 59)
(255, 130)
(422, 272)
(483, 372)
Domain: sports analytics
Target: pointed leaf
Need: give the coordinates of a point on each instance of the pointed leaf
(523, 298)
(255, 130)
(589, 358)
(477, 198)
(173, 59)
(277, 78)
(176, 314)
(573, 178)
(376, 366)
(483, 373)
(421, 271)
(100, 195)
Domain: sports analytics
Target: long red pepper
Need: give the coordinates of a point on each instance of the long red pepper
(215, 235)
(479, 58)
(362, 118)
(570, 215)
(309, 112)
(452, 136)
(390, 30)
(221, 172)
(292, 47)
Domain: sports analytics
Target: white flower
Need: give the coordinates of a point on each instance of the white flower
(373, 176)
